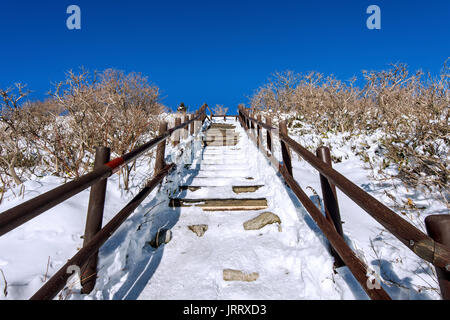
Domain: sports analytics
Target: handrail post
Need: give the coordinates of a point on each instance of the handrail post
(176, 138)
(330, 202)
(247, 121)
(191, 126)
(185, 129)
(252, 125)
(240, 117)
(285, 152)
(161, 150)
(269, 135)
(258, 129)
(203, 111)
(438, 228)
(94, 220)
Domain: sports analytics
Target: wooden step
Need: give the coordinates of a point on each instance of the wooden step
(221, 204)
(217, 167)
(220, 138)
(228, 181)
(236, 189)
(223, 125)
(221, 173)
(222, 133)
(221, 143)
(246, 189)
(216, 138)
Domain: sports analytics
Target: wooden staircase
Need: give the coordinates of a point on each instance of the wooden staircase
(223, 170)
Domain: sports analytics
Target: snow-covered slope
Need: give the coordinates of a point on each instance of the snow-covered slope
(292, 264)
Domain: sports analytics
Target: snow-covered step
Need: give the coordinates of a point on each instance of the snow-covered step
(222, 126)
(224, 140)
(199, 181)
(227, 156)
(292, 261)
(222, 204)
(219, 150)
(223, 192)
(221, 162)
(219, 143)
(224, 167)
(222, 173)
(235, 162)
(222, 134)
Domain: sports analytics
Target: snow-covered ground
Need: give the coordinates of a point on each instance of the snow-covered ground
(403, 274)
(293, 263)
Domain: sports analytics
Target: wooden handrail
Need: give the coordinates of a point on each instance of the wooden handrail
(16, 216)
(57, 282)
(417, 241)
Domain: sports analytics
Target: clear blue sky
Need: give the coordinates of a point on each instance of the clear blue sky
(217, 52)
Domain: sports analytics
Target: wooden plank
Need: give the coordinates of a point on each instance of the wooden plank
(221, 143)
(223, 125)
(221, 204)
(245, 189)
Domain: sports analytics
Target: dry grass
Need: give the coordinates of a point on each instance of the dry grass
(411, 109)
(59, 136)
(220, 110)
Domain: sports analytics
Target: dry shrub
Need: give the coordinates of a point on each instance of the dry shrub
(59, 136)
(412, 110)
(220, 110)
(110, 109)
(20, 129)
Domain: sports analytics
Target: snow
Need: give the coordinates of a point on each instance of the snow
(292, 264)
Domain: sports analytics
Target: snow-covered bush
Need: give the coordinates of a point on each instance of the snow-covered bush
(411, 110)
(86, 110)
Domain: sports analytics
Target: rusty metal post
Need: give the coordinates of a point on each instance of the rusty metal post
(191, 126)
(285, 152)
(94, 220)
(258, 129)
(438, 228)
(176, 134)
(161, 150)
(330, 201)
(269, 135)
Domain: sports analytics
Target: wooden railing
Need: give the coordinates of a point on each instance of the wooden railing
(95, 235)
(422, 245)
(427, 248)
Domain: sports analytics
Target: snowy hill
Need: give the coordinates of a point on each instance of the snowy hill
(291, 258)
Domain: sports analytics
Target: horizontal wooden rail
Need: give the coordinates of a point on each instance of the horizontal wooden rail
(421, 244)
(15, 217)
(57, 282)
(417, 241)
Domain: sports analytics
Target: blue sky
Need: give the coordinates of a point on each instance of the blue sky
(217, 52)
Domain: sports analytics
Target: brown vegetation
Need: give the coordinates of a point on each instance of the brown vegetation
(412, 111)
(58, 136)
(220, 110)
